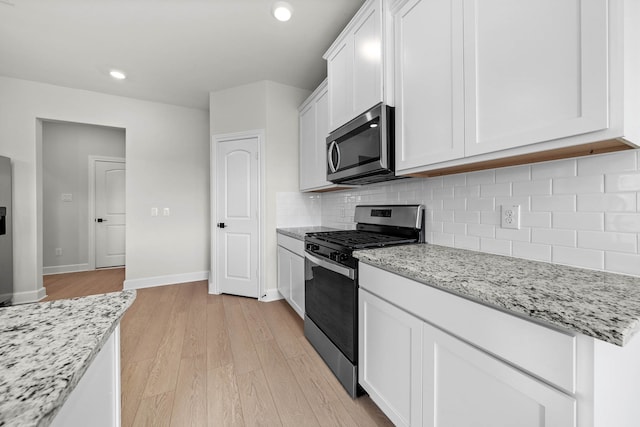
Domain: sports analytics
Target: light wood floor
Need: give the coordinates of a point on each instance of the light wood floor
(194, 359)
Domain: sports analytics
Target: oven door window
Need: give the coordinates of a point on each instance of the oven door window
(330, 301)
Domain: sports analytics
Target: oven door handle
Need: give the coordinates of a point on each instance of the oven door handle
(345, 271)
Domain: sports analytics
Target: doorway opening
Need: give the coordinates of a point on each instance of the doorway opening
(83, 175)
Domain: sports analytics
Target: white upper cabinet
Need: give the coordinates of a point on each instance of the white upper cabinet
(534, 71)
(487, 80)
(314, 128)
(355, 66)
(429, 82)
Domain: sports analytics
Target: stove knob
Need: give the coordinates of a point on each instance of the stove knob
(344, 257)
(312, 247)
(334, 256)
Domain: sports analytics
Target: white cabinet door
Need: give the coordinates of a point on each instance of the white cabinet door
(297, 284)
(340, 77)
(307, 146)
(367, 61)
(355, 66)
(389, 358)
(534, 71)
(429, 82)
(284, 272)
(464, 386)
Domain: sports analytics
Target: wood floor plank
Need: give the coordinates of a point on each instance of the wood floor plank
(134, 380)
(258, 408)
(255, 320)
(166, 364)
(190, 398)
(155, 411)
(218, 343)
(195, 338)
(293, 408)
(285, 336)
(244, 354)
(224, 407)
(333, 414)
(314, 385)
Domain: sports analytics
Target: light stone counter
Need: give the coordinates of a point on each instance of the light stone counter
(299, 232)
(602, 305)
(45, 349)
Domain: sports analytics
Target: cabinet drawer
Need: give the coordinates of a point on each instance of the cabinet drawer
(294, 245)
(539, 350)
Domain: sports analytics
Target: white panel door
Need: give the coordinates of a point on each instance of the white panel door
(429, 83)
(237, 216)
(465, 387)
(534, 71)
(110, 213)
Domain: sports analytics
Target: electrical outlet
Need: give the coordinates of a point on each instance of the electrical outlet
(510, 216)
(58, 251)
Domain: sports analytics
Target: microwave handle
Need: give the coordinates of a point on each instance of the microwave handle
(333, 146)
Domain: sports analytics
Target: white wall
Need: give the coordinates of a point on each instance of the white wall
(66, 149)
(271, 107)
(167, 166)
(583, 212)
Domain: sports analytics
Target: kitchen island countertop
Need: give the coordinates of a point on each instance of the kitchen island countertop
(45, 349)
(601, 305)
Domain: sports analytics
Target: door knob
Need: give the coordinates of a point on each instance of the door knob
(221, 225)
(100, 220)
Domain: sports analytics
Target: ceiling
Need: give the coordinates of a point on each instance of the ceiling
(173, 51)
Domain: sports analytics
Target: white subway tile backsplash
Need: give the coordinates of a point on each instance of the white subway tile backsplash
(622, 182)
(493, 246)
(587, 258)
(529, 188)
(513, 173)
(614, 162)
(579, 220)
(618, 242)
(553, 203)
(554, 169)
(623, 222)
(554, 236)
(583, 212)
(579, 184)
(607, 202)
(481, 177)
(493, 190)
(522, 235)
(466, 242)
(535, 219)
(475, 204)
(622, 263)
(534, 251)
(481, 230)
(466, 217)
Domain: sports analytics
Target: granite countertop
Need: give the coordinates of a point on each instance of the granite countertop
(299, 232)
(45, 348)
(602, 305)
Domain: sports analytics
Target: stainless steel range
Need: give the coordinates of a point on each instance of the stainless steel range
(331, 281)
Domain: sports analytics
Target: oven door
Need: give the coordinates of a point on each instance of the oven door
(331, 302)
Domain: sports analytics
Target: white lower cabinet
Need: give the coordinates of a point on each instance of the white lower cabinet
(419, 375)
(464, 386)
(291, 272)
(390, 359)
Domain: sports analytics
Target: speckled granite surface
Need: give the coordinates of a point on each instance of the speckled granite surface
(299, 232)
(602, 305)
(45, 348)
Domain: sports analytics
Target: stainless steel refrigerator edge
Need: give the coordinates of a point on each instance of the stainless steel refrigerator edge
(6, 232)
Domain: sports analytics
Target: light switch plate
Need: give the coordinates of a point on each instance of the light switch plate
(510, 216)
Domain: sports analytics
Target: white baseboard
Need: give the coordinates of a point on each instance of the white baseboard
(28, 297)
(172, 279)
(59, 269)
(271, 295)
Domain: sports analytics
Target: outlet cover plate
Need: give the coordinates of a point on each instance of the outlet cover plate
(510, 216)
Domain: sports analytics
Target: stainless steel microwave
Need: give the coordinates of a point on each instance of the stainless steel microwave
(362, 151)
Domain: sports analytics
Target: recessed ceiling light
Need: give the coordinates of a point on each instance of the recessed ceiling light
(282, 11)
(118, 75)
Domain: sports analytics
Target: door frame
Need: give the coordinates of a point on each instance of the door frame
(91, 240)
(259, 134)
